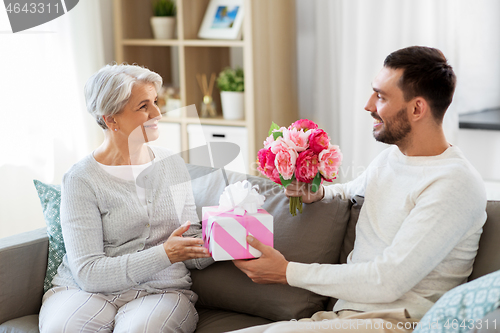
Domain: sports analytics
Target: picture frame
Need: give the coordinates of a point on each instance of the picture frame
(223, 20)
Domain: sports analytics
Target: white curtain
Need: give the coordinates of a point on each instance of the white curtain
(342, 45)
(45, 127)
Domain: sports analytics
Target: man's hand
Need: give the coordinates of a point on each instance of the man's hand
(269, 268)
(299, 189)
(180, 248)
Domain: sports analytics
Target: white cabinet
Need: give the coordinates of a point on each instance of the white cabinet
(170, 136)
(205, 148)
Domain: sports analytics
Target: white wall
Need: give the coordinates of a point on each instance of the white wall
(472, 45)
(45, 128)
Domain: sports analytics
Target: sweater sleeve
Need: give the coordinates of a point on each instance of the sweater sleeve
(92, 270)
(189, 214)
(443, 214)
(347, 190)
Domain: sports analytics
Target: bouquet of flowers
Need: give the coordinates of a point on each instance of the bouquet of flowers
(303, 152)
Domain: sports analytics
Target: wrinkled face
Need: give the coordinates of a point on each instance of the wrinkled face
(139, 119)
(388, 108)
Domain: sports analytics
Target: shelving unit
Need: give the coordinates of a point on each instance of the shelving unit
(269, 62)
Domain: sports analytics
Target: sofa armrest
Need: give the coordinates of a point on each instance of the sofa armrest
(23, 264)
(489, 323)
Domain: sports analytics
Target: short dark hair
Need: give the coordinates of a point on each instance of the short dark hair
(426, 73)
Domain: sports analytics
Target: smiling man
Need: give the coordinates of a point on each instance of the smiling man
(419, 227)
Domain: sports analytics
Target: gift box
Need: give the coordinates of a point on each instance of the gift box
(225, 233)
(226, 227)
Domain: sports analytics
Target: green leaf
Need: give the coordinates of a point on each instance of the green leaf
(273, 127)
(316, 182)
(286, 182)
(276, 135)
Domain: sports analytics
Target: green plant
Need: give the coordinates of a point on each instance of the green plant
(231, 80)
(164, 8)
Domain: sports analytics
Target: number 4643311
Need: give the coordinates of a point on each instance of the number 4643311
(470, 324)
(32, 8)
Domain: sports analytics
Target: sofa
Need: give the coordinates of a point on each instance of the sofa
(228, 299)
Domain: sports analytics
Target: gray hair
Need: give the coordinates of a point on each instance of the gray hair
(108, 90)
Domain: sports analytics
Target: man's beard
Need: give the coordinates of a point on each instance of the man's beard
(394, 130)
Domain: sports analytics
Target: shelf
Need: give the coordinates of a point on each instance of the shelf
(487, 119)
(188, 42)
(213, 43)
(215, 121)
(218, 121)
(150, 42)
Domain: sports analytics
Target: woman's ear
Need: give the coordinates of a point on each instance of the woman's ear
(110, 122)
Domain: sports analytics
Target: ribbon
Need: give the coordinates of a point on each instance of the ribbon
(241, 198)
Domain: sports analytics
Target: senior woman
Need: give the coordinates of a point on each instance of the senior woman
(127, 260)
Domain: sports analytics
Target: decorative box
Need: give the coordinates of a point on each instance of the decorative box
(225, 227)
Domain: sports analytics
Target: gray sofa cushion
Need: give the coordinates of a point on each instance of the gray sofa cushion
(488, 255)
(350, 234)
(316, 236)
(26, 324)
(217, 321)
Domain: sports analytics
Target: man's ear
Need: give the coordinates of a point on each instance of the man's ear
(420, 109)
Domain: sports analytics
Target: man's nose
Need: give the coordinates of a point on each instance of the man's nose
(370, 104)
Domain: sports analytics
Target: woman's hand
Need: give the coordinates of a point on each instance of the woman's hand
(299, 189)
(180, 248)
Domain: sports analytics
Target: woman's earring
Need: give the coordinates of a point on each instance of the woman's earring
(116, 129)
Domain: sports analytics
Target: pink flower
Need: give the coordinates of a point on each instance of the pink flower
(269, 141)
(329, 162)
(297, 139)
(285, 161)
(307, 166)
(304, 124)
(319, 141)
(275, 176)
(266, 165)
(278, 145)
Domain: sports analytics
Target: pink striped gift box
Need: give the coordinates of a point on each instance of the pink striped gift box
(225, 233)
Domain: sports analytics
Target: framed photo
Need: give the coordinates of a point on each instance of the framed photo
(223, 20)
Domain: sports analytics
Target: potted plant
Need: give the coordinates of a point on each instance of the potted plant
(163, 21)
(231, 83)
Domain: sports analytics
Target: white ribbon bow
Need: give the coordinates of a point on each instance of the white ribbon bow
(241, 197)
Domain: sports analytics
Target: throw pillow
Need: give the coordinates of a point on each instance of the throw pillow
(315, 236)
(462, 309)
(50, 198)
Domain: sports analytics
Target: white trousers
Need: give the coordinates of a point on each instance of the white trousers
(381, 321)
(71, 310)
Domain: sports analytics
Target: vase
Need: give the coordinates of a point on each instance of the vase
(233, 105)
(163, 27)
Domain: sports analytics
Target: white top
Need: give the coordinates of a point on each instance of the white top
(129, 173)
(416, 237)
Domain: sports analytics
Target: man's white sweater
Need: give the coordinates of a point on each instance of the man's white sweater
(416, 238)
